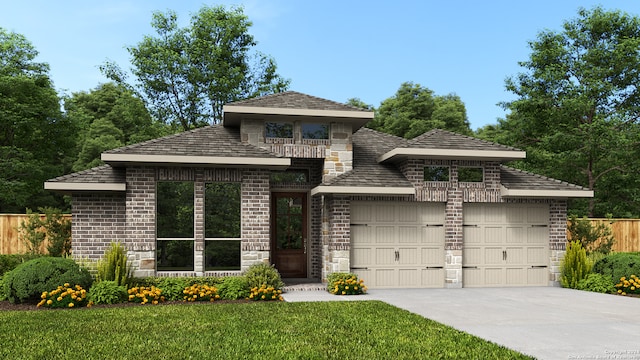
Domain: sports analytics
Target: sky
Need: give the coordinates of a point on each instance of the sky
(334, 49)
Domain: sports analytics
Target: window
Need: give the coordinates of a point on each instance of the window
(174, 226)
(278, 130)
(315, 131)
(470, 174)
(222, 226)
(436, 173)
(290, 177)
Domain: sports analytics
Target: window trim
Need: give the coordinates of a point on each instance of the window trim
(424, 174)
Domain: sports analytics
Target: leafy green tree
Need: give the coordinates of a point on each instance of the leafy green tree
(36, 141)
(108, 117)
(187, 74)
(578, 105)
(414, 110)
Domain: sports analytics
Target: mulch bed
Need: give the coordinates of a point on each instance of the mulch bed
(7, 306)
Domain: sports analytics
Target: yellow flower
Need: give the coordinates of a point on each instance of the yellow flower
(49, 302)
(344, 293)
(70, 304)
(59, 298)
(66, 285)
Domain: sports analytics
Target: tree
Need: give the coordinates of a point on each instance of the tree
(578, 106)
(187, 74)
(414, 110)
(108, 117)
(36, 141)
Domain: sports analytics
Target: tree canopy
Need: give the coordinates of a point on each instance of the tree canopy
(414, 110)
(36, 141)
(187, 74)
(577, 109)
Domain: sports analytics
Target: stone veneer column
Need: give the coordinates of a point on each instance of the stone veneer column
(255, 218)
(453, 239)
(557, 238)
(339, 155)
(140, 233)
(336, 244)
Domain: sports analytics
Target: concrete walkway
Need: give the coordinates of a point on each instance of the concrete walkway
(545, 322)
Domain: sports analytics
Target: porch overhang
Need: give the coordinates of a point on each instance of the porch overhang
(545, 193)
(206, 161)
(362, 190)
(84, 186)
(399, 154)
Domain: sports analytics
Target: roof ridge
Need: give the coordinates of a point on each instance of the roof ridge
(543, 177)
(291, 92)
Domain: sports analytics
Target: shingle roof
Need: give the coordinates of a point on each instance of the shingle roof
(515, 179)
(442, 139)
(295, 100)
(215, 140)
(367, 146)
(102, 174)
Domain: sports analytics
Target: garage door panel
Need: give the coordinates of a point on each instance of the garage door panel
(472, 235)
(360, 235)
(493, 235)
(385, 234)
(538, 214)
(514, 214)
(407, 213)
(515, 276)
(409, 234)
(537, 276)
(409, 277)
(385, 213)
(493, 276)
(384, 256)
(362, 257)
(432, 235)
(432, 278)
(492, 256)
(493, 215)
(515, 255)
(515, 234)
(408, 256)
(360, 214)
(472, 277)
(537, 255)
(472, 256)
(537, 235)
(431, 256)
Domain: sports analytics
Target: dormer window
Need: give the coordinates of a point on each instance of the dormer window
(470, 174)
(315, 131)
(277, 130)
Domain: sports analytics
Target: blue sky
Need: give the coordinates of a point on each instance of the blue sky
(331, 49)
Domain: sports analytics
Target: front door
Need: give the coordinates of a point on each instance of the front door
(289, 234)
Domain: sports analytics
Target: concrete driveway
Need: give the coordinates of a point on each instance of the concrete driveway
(544, 322)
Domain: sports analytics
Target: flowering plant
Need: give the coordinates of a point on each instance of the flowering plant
(201, 292)
(265, 293)
(346, 284)
(144, 295)
(65, 296)
(628, 286)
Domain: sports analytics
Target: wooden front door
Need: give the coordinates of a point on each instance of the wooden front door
(289, 234)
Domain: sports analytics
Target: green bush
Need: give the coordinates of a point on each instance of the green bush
(575, 265)
(28, 281)
(234, 288)
(114, 266)
(597, 283)
(3, 297)
(263, 274)
(172, 287)
(107, 292)
(342, 283)
(617, 265)
(10, 262)
(593, 238)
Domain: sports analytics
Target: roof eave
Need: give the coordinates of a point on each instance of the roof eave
(207, 161)
(545, 193)
(361, 190)
(62, 186)
(399, 154)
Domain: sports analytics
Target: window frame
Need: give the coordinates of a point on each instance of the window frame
(448, 173)
(464, 168)
(216, 240)
(170, 239)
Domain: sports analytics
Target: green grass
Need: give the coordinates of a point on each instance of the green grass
(256, 330)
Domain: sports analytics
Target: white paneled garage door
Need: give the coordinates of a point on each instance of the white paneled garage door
(505, 245)
(398, 244)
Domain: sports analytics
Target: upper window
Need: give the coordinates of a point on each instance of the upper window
(436, 173)
(470, 174)
(278, 130)
(315, 131)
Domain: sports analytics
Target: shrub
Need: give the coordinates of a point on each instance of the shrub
(201, 292)
(65, 296)
(3, 297)
(340, 283)
(114, 265)
(628, 286)
(28, 281)
(172, 287)
(107, 292)
(596, 283)
(31, 232)
(593, 238)
(575, 265)
(617, 265)
(58, 230)
(234, 288)
(265, 293)
(10, 262)
(144, 295)
(263, 274)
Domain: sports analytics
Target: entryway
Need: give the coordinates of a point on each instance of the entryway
(289, 233)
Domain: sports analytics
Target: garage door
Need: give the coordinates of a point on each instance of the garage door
(505, 245)
(398, 244)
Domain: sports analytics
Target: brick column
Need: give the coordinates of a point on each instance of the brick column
(453, 238)
(140, 233)
(255, 218)
(557, 238)
(337, 248)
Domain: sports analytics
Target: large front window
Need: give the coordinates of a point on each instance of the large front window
(222, 226)
(175, 226)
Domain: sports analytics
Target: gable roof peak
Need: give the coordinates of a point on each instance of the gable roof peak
(294, 100)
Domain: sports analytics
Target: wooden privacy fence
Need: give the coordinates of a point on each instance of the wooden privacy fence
(625, 231)
(10, 242)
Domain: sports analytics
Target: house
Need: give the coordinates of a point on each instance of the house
(298, 181)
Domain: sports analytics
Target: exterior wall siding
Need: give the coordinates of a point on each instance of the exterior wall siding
(97, 220)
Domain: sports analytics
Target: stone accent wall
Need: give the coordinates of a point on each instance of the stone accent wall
(453, 269)
(140, 233)
(255, 217)
(97, 220)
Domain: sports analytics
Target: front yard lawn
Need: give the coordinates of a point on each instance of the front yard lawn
(247, 330)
